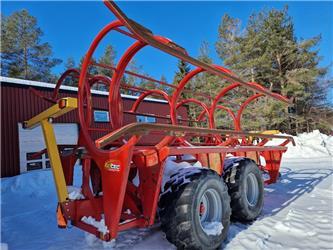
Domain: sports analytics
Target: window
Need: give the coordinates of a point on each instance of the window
(34, 165)
(101, 116)
(36, 161)
(31, 156)
(144, 118)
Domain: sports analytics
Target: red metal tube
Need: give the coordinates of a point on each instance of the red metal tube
(61, 79)
(148, 93)
(244, 105)
(217, 99)
(82, 83)
(115, 102)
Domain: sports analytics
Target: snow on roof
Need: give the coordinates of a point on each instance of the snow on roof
(68, 88)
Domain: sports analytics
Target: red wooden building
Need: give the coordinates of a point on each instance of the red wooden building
(19, 103)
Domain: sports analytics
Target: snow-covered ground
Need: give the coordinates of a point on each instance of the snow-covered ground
(298, 211)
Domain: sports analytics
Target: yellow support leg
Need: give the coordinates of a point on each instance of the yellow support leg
(63, 106)
(52, 149)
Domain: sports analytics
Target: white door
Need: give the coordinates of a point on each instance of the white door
(32, 141)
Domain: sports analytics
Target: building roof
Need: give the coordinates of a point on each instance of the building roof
(16, 81)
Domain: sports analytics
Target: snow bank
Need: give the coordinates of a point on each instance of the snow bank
(308, 145)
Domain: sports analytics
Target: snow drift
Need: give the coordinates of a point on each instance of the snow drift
(308, 145)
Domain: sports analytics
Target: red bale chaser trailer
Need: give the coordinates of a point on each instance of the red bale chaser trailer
(206, 174)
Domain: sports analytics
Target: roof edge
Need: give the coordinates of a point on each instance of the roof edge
(68, 88)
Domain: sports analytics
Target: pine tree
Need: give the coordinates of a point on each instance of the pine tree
(70, 63)
(269, 53)
(319, 110)
(92, 71)
(164, 87)
(183, 68)
(133, 67)
(204, 53)
(147, 84)
(205, 82)
(70, 81)
(130, 79)
(211, 84)
(23, 55)
(107, 58)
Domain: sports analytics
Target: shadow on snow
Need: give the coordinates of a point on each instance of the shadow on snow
(291, 185)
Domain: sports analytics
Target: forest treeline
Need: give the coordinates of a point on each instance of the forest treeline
(265, 50)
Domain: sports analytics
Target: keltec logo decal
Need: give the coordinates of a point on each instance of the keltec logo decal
(112, 166)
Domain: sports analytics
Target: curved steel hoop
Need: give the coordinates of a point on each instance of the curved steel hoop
(143, 38)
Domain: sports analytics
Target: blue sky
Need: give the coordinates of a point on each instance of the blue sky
(70, 26)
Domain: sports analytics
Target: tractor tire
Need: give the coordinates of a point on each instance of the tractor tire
(193, 200)
(246, 190)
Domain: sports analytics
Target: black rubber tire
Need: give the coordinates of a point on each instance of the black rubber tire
(241, 209)
(178, 210)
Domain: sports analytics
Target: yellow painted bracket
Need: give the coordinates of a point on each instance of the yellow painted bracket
(270, 132)
(266, 132)
(63, 106)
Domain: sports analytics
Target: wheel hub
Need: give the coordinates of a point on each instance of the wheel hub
(202, 209)
(252, 189)
(210, 207)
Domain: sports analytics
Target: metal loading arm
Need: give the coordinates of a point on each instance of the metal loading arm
(145, 35)
(145, 128)
(63, 106)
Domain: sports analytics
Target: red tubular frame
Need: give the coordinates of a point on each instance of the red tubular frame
(244, 105)
(114, 168)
